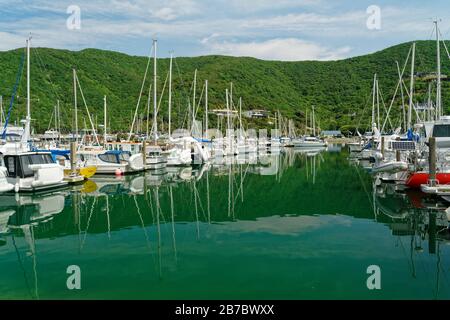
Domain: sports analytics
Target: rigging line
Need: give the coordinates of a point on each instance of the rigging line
(142, 89)
(21, 265)
(43, 68)
(88, 223)
(398, 84)
(16, 85)
(364, 109)
(184, 95)
(87, 109)
(385, 110)
(138, 210)
(50, 122)
(159, 102)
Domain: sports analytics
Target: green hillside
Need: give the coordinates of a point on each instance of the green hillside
(339, 90)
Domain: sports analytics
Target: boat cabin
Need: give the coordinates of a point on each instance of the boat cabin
(18, 166)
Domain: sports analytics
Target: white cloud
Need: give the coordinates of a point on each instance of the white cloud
(289, 49)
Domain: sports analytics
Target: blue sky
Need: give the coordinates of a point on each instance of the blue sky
(273, 30)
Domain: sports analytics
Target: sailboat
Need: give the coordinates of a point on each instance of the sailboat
(310, 141)
(439, 128)
(245, 144)
(27, 170)
(93, 154)
(154, 160)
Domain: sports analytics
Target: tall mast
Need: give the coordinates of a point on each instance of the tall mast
(373, 100)
(313, 121)
(155, 106)
(75, 103)
(438, 89)
(193, 101)
(58, 126)
(228, 118)
(378, 105)
(411, 89)
(240, 118)
(104, 120)
(231, 95)
(27, 132)
(170, 96)
(306, 122)
(206, 109)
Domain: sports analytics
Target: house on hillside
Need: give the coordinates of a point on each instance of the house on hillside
(256, 114)
(331, 134)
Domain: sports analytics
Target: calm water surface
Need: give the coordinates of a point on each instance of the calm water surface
(296, 226)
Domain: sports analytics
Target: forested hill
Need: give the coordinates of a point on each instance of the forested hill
(339, 90)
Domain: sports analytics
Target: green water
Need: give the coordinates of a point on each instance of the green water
(301, 226)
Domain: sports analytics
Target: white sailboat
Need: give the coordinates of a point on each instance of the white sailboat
(310, 141)
(31, 171)
(94, 154)
(155, 159)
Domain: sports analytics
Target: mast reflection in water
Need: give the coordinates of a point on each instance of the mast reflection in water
(301, 224)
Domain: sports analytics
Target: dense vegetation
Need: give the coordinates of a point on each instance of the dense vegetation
(339, 90)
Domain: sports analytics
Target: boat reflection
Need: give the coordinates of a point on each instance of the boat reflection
(416, 219)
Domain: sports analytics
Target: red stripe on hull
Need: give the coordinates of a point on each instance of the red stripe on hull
(418, 178)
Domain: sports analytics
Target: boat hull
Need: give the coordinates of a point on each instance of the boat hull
(419, 178)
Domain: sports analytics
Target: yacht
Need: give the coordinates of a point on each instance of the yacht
(112, 161)
(309, 142)
(29, 171)
(33, 171)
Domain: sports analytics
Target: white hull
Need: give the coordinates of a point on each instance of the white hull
(390, 166)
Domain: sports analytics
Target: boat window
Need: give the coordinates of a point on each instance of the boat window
(40, 159)
(108, 157)
(441, 130)
(125, 156)
(13, 138)
(11, 166)
(25, 162)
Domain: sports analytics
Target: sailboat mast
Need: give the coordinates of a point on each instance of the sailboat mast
(228, 118)
(193, 101)
(28, 83)
(378, 105)
(27, 132)
(411, 89)
(58, 126)
(206, 109)
(240, 117)
(438, 89)
(155, 107)
(75, 103)
(104, 120)
(306, 122)
(373, 100)
(170, 96)
(314, 121)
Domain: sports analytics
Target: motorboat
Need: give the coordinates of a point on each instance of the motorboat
(33, 171)
(112, 161)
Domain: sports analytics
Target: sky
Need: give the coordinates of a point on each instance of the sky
(288, 30)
